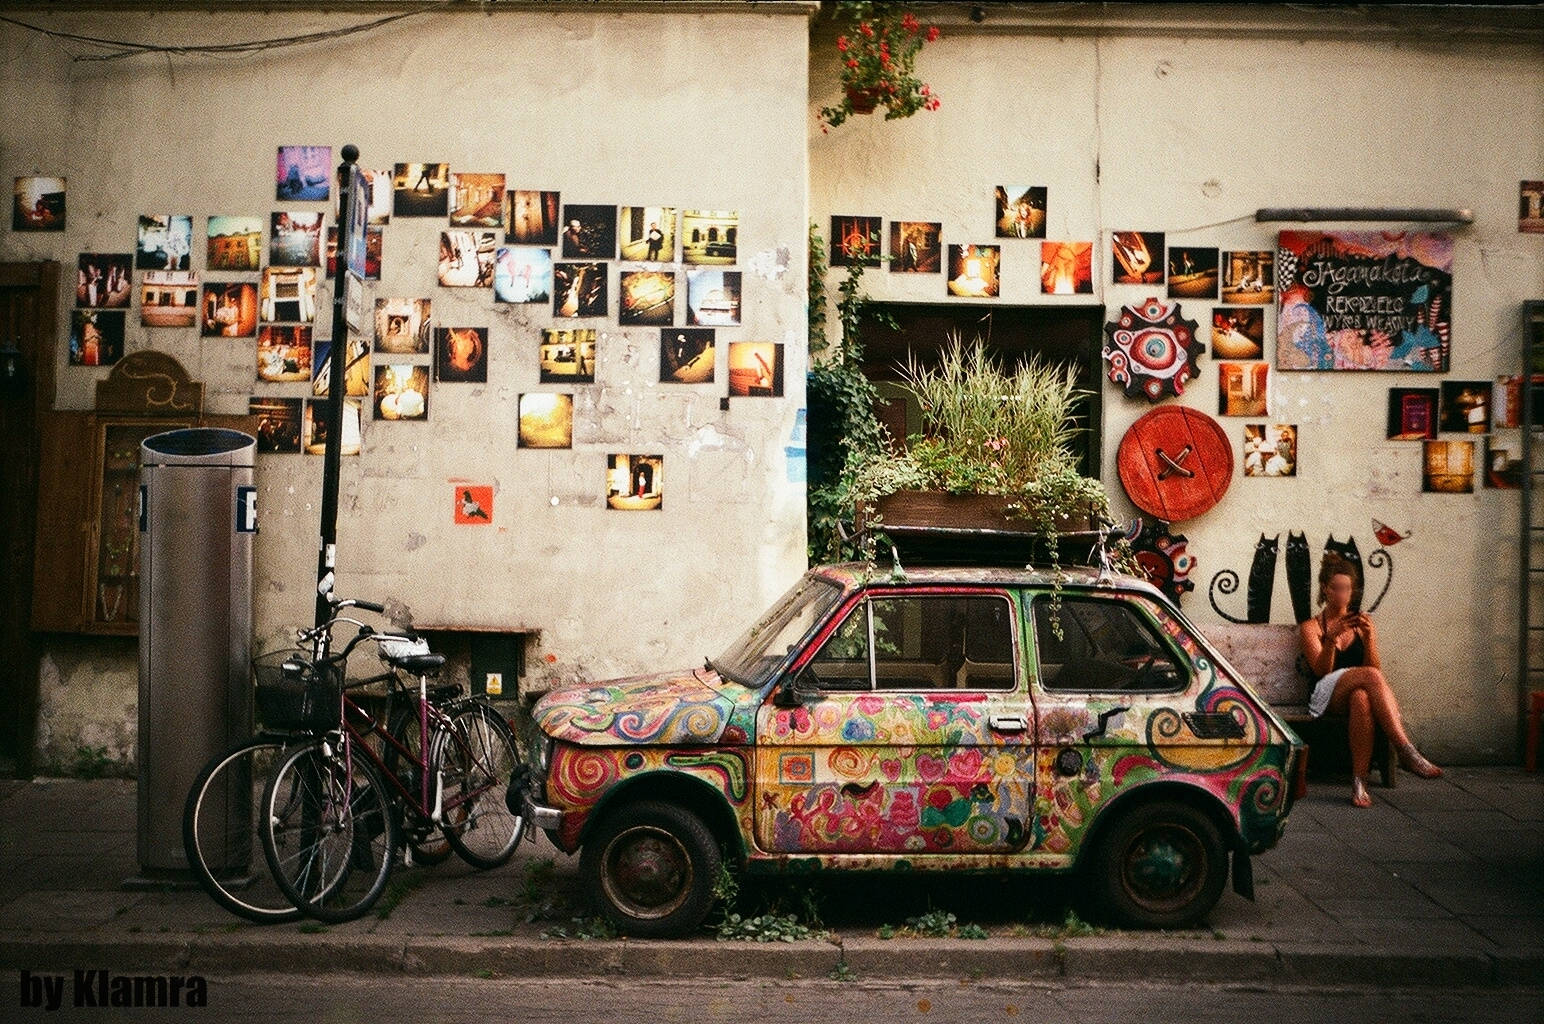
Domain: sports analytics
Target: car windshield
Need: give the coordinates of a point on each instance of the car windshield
(755, 656)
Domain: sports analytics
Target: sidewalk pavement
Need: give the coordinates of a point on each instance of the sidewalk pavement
(1439, 883)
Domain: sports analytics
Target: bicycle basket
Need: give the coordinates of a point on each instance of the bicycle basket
(292, 694)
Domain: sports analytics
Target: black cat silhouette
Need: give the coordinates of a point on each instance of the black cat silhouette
(1299, 576)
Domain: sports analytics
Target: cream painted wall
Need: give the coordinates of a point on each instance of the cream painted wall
(1139, 122)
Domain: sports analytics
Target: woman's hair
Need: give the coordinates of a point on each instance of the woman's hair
(1333, 565)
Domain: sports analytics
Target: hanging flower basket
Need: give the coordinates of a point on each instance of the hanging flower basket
(878, 53)
(862, 101)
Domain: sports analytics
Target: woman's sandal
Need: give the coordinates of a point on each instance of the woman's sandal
(1359, 795)
(1411, 761)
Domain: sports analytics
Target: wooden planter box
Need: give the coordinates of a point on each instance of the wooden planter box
(939, 528)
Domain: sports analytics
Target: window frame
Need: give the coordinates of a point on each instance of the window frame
(1185, 673)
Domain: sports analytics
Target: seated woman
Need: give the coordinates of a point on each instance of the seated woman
(1342, 650)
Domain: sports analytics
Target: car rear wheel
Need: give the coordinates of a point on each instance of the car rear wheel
(651, 867)
(1161, 865)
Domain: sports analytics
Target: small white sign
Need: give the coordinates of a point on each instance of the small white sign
(354, 300)
(493, 683)
(246, 510)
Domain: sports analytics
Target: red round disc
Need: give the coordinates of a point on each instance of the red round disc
(1175, 463)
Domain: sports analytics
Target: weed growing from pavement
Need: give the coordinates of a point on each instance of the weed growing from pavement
(935, 924)
(398, 889)
(773, 921)
(1071, 927)
(584, 928)
(842, 972)
(766, 928)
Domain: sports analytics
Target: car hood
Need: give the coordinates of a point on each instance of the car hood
(667, 708)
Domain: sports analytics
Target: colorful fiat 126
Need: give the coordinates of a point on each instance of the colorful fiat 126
(935, 719)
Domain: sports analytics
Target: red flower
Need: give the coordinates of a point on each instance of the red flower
(852, 62)
(909, 22)
(932, 33)
(866, 29)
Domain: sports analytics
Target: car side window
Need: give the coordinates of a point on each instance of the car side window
(921, 642)
(1101, 644)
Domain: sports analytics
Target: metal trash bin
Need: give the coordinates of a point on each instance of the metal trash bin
(197, 518)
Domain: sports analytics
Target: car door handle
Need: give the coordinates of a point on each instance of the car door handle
(1008, 723)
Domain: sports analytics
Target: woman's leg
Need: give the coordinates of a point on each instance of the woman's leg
(1359, 729)
(1384, 707)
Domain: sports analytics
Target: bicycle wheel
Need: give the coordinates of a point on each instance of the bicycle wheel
(476, 757)
(427, 843)
(220, 831)
(329, 834)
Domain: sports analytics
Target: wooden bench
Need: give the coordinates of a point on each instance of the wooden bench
(1265, 654)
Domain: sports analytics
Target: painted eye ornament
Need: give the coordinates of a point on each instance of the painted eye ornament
(1152, 350)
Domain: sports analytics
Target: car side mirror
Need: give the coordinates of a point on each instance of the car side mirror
(794, 690)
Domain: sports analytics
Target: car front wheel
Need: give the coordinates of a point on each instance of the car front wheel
(1161, 865)
(651, 868)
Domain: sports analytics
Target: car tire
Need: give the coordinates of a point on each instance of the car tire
(650, 868)
(1160, 865)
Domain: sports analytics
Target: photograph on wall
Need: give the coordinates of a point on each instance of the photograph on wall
(1506, 402)
(916, 246)
(165, 243)
(295, 238)
(713, 298)
(1412, 414)
(1465, 407)
(755, 369)
(1270, 450)
(234, 243)
(973, 270)
(687, 355)
(168, 298)
(96, 337)
(466, 258)
(304, 173)
(314, 428)
(1503, 467)
(1447, 467)
(278, 424)
(287, 295)
(284, 352)
(647, 233)
(1020, 211)
(1241, 389)
(37, 204)
(710, 237)
(472, 505)
(1136, 257)
(855, 241)
(461, 354)
(546, 420)
(1066, 268)
(1249, 277)
(522, 274)
(104, 280)
(1192, 272)
(579, 289)
(420, 190)
(589, 231)
(567, 356)
(1530, 206)
(402, 391)
(1238, 332)
(533, 217)
(229, 309)
(635, 483)
(378, 209)
(402, 326)
(1368, 300)
(356, 368)
(477, 200)
(646, 297)
(374, 241)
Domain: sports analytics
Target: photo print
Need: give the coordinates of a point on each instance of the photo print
(533, 218)
(304, 173)
(472, 505)
(374, 241)
(1530, 206)
(466, 258)
(647, 297)
(165, 243)
(1241, 389)
(420, 190)
(314, 428)
(567, 356)
(461, 354)
(546, 421)
(1192, 273)
(1238, 332)
(356, 368)
(589, 232)
(37, 204)
(713, 298)
(1020, 211)
(288, 295)
(402, 326)
(1249, 277)
(635, 483)
(278, 424)
(522, 274)
(1503, 467)
(378, 211)
(477, 200)
(402, 391)
(169, 298)
(104, 280)
(229, 309)
(710, 237)
(579, 289)
(284, 353)
(1412, 414)
(687, 355)
(235, 243)
(1136, 257)
(855, 241)
(1066, 268)
(916, 247)
(755, 369)
(648, 233)
(295, 239)
(1506, 403)
(96, 337)
(1447, 467)
(973, 270)
(1465, 406)
(1270, 450)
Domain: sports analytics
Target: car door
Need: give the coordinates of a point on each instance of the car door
(912, 735)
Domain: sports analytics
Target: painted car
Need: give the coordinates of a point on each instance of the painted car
(931, 720)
